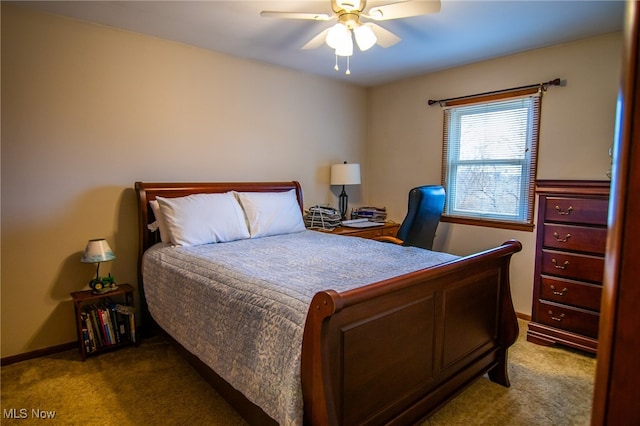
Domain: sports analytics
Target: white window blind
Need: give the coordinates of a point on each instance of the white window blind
(489, 160)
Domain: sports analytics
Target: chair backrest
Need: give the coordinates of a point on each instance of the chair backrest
(423, 215)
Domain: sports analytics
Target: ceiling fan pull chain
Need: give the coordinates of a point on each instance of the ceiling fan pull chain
(336, 67)
(348, 72)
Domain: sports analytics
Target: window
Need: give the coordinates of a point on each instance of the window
(489, 160)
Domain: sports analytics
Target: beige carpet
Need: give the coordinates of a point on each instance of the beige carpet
(549, 386)
(151, 384)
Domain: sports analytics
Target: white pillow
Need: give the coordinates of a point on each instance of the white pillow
(165, 237)
(203, 218)
(271, 213)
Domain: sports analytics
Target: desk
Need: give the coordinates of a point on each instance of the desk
(388, 229)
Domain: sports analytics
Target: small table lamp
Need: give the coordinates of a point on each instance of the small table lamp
(99, 251)
(345, 174)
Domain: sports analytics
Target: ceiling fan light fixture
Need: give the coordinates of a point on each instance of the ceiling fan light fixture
(337, 36)
(348, 14)
(345, 48)
(365, 38)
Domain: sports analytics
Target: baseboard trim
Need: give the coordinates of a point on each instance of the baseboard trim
(38, 353)
(523, 316)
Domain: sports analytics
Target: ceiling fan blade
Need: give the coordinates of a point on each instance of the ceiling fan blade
(295, 15)
(403, 9)
(317, 41)
(385, 37)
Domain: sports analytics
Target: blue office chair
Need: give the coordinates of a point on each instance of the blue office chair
(418, 228)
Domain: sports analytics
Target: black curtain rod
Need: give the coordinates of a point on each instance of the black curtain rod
(555, 82)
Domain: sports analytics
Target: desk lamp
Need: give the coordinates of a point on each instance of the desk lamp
(345, 174)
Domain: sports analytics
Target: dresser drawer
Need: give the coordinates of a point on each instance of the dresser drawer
(572, 265)
(575, 238)
(570, 292)
(576, 210)
(570, 319)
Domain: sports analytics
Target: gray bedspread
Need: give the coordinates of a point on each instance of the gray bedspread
(241, 306)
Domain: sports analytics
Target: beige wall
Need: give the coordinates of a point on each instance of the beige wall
(87, 110)
(404, 147)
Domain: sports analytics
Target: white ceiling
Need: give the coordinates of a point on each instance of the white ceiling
(462, 32)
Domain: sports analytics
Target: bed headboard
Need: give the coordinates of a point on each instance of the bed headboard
(146, 191)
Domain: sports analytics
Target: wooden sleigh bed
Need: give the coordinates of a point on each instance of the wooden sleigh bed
(391, 352)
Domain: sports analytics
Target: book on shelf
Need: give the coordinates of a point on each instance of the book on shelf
(104, 322)
(112, 326)
(121, 321)
(128, 314)
(87, 333)
(95, 326)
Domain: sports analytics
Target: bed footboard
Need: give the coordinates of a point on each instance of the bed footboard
(395, 351)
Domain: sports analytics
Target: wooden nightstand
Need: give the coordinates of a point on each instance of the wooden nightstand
(104, 321)
(388, 229)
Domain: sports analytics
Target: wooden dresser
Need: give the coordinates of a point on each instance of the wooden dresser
(570, 245)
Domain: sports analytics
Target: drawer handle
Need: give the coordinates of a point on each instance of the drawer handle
(564, 212)
(561, 240)
(559, 293)
(556, 318)
(563, 266)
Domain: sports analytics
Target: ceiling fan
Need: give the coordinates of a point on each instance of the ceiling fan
(352, 17)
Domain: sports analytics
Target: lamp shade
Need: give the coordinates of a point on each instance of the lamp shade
(337, 35)
(339, 38)
(97, 251)
(365, 36)
(345, 174)
(346, 48)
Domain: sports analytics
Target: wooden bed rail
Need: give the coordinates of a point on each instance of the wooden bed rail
(396, 350)
(357, 295)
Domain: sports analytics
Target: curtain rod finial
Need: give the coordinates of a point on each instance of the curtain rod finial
(554, 82)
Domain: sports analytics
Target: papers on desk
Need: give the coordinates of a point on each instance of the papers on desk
(360, 223)
(320, 217)
(374, 214)
(327, 218)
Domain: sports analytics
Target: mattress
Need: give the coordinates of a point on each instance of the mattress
(241, 306)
